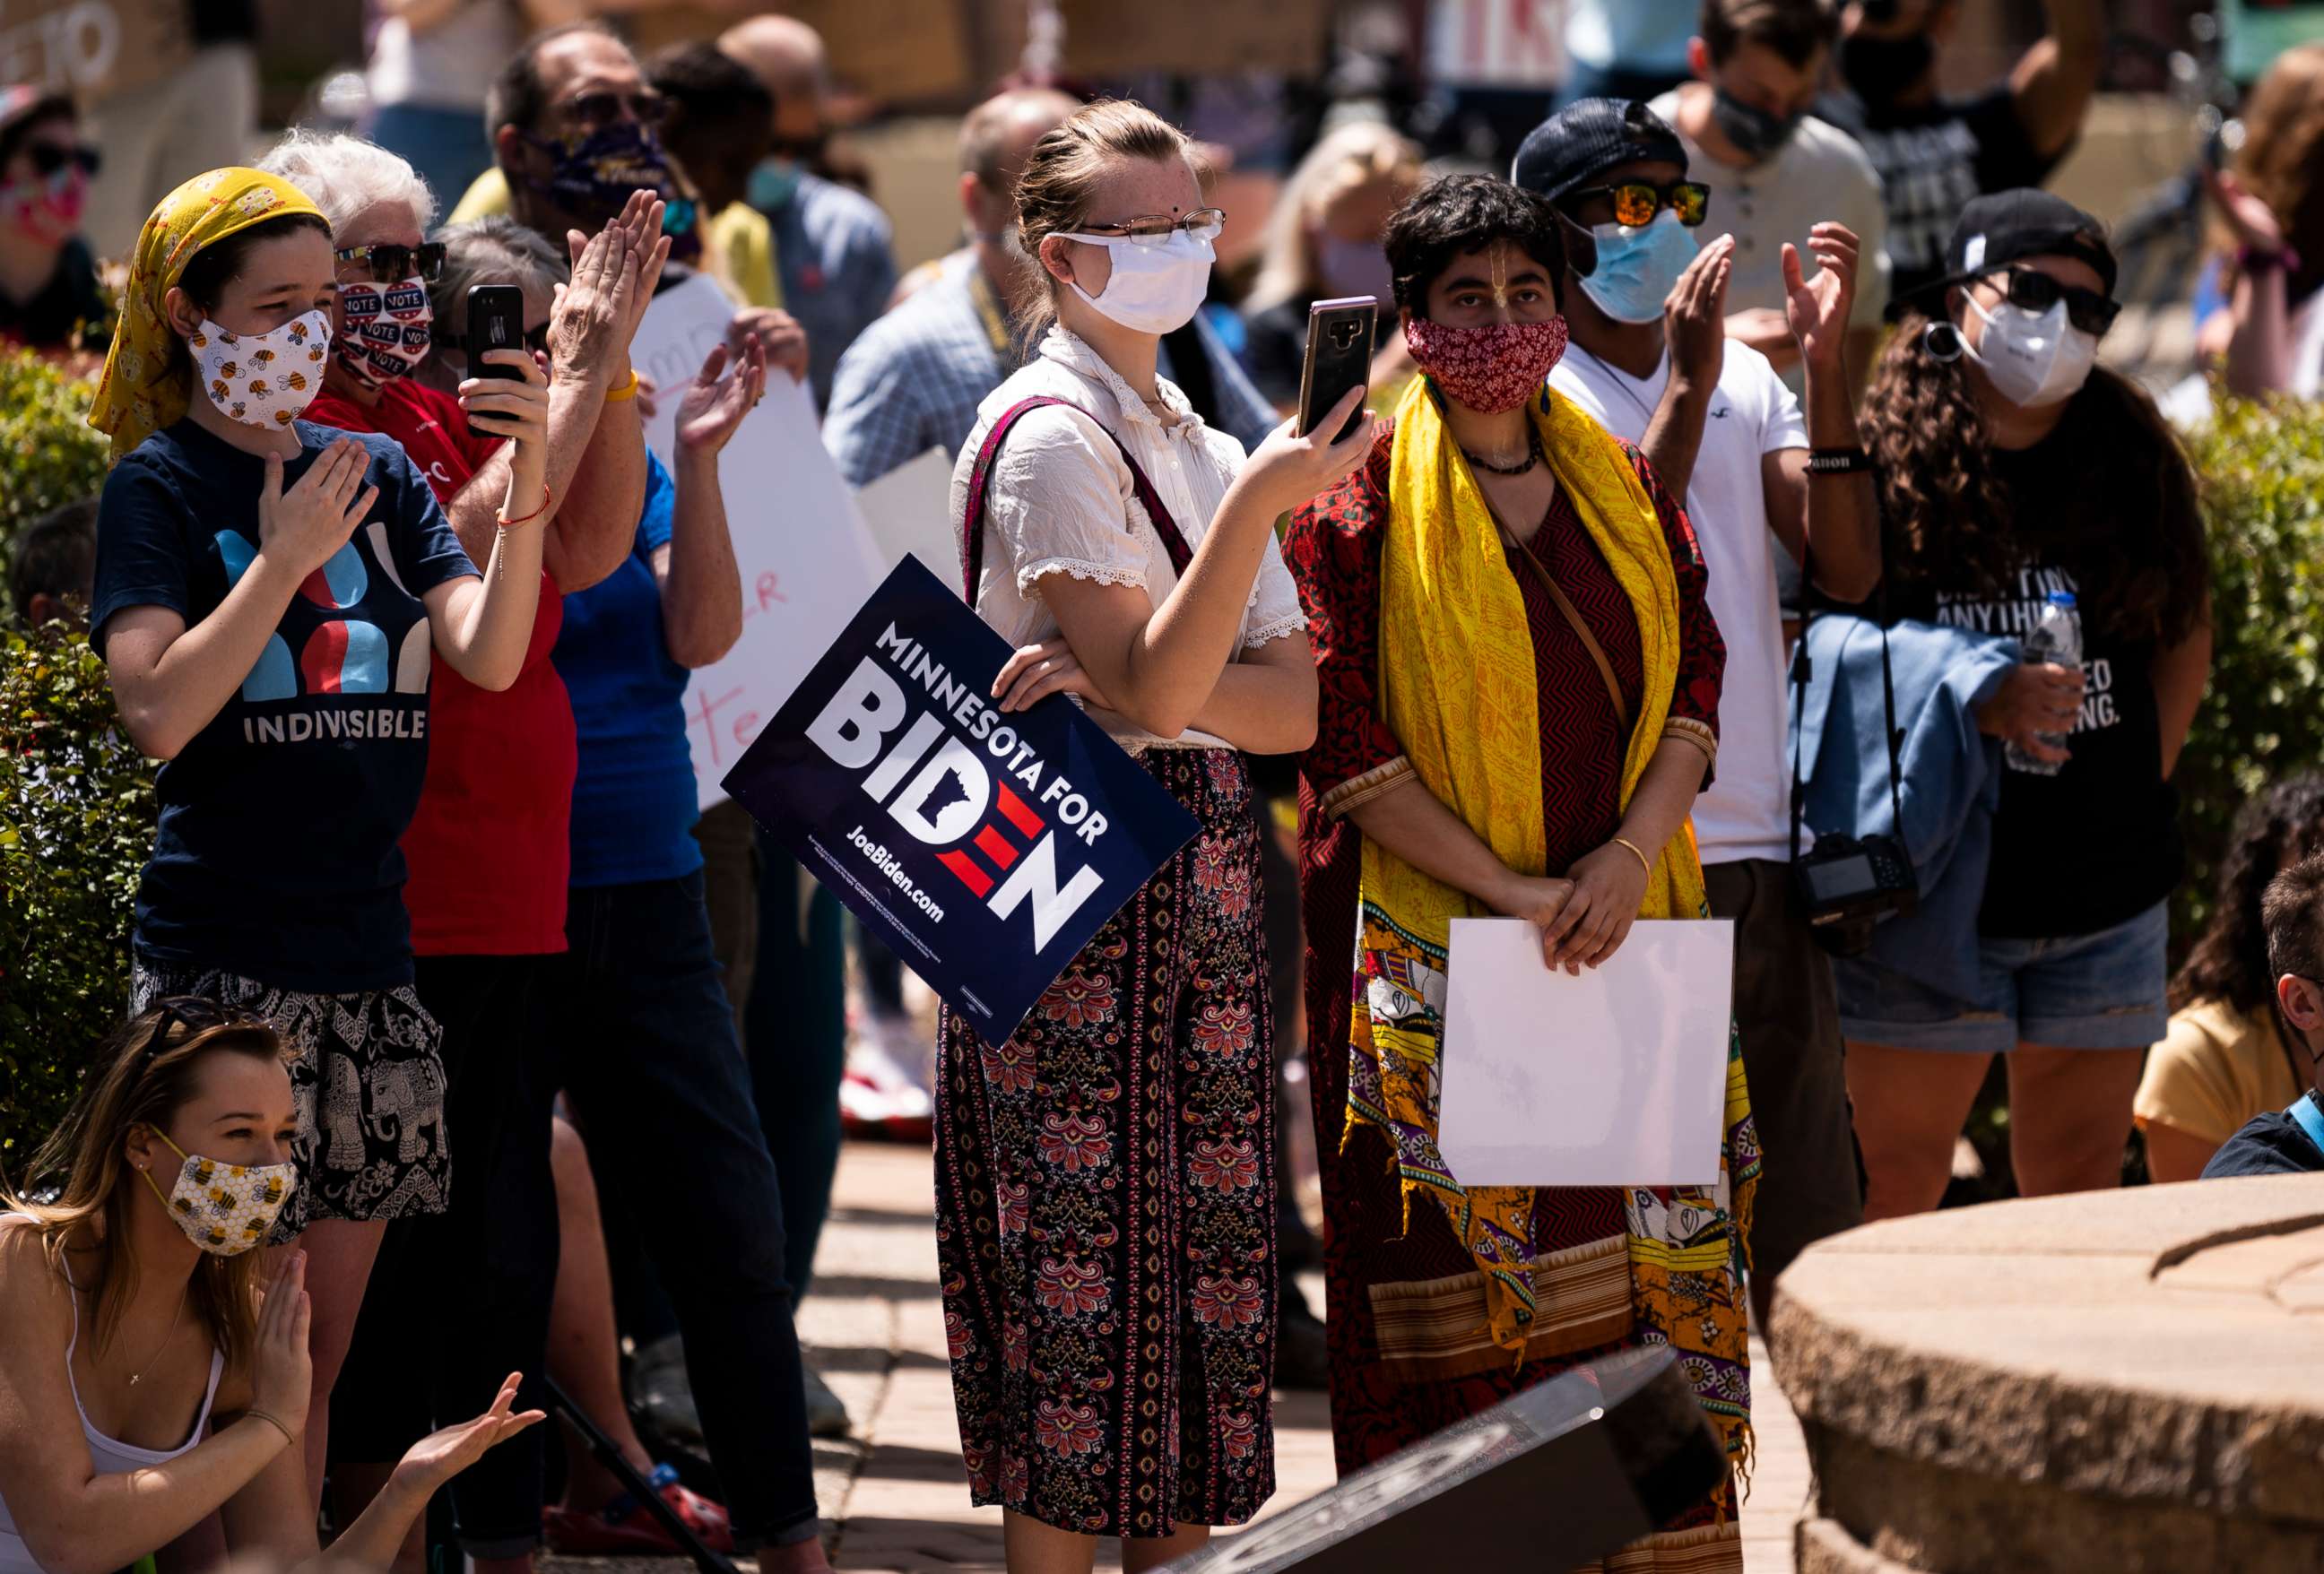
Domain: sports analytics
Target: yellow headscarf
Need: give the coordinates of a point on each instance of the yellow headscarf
(147, 380)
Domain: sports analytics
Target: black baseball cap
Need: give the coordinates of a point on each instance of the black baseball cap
(1588, 137)
(2003, 227)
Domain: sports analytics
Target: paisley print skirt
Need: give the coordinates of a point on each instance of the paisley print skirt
(1105, 1208)
(368, 1077)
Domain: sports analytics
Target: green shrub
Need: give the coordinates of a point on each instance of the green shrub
(2262, 468)
(76, 823)
(49, 456)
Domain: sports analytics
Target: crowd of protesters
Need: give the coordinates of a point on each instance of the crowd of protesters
(443, 997)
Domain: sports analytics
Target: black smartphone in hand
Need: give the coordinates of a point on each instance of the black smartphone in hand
(496, 322)
(1339, 357)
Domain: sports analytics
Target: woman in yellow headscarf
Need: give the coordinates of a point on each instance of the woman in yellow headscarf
(1519, 697)
(270, 597)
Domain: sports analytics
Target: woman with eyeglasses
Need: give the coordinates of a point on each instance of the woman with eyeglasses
(2012, 469)
(1105, 1219)
(271, 597)
(145, 1383)
(50, 297)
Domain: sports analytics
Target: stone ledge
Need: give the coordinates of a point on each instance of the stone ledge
(2135, 1378)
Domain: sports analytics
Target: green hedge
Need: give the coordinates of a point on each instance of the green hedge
(49, 456)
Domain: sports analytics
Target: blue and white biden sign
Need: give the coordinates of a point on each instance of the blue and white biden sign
(985, 849)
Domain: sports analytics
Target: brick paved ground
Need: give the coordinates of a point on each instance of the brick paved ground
(896, 1500)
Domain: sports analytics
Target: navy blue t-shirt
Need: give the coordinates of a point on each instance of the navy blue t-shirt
(633, 803)
(276, 854)
(2270, 1143)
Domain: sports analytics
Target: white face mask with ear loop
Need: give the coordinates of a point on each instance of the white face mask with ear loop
(2032, 358)
(1153, 289)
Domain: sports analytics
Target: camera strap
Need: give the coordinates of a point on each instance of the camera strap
(1800, 678)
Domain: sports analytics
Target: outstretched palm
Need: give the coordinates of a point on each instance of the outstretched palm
(719, 397)
(438, 1457)
(1817, 309)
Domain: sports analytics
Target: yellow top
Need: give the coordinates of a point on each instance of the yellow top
(487, 195)
(147, 382)
(2215, 1069)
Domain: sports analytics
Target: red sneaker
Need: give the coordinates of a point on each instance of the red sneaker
(627, 1525)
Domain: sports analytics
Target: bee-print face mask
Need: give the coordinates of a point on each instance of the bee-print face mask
(262, 380)
(225, 1209)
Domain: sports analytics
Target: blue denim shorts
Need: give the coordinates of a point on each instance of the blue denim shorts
(2081, 991)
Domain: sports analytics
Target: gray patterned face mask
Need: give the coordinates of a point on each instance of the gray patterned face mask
(225, 1209)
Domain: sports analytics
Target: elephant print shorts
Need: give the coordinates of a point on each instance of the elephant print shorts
(367, 1073)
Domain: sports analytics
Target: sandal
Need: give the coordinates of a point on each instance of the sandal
(627, 1525)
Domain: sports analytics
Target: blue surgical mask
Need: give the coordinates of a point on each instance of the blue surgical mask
(773, 183)
(1637, 267)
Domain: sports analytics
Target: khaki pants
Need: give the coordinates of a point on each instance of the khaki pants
(154, 141)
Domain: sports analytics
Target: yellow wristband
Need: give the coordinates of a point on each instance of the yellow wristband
(1644, 862)
(627, 391)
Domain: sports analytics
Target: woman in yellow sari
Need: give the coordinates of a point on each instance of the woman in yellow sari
(1519, 697)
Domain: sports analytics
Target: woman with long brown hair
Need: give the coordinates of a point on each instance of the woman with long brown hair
(2013, 473)
(1103, 1224)
(144, 1385)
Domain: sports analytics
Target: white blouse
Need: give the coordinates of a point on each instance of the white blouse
(1060, 500)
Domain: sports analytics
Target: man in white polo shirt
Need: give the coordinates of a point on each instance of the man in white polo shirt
(1650, 360)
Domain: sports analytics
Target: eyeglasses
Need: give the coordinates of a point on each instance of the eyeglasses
(603, 108)
(196, 1013)
(1154, 229)
(1636, 202)
(50, 158)
(394, 265)
(2087, 309)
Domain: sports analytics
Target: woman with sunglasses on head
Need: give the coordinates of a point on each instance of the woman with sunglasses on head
(270, 599)
(145, 1384)
(50, 296)
(1128, 552)
(2012, 469)
(1520, 679)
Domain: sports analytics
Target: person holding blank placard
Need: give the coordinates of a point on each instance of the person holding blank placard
(1520, 694)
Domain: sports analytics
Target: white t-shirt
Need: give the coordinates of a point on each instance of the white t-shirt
(452, 64)
(1819, 176)
(1745, 812)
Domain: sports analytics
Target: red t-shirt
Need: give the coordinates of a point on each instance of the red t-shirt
(490, 845)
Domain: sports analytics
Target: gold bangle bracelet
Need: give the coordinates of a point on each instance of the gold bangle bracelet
(1644, 862)
(254, 1413)
(627, 391)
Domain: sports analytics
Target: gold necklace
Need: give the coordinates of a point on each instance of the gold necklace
(167, 1339)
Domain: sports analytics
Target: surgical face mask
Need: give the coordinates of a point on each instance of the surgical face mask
(1755, 133)
(387, 332)
(1346, 268)
(774, 184)
(262, 380)
(1879, 68)
(225, 1209)
(2032, 358)
(1637, 267)
(1154, 289)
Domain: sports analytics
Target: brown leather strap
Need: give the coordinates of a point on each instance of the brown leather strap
(1512, 546)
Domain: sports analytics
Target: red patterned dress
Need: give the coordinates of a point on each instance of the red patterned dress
(1404, 1362)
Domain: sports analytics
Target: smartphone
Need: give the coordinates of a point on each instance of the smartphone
(1339, 357)
(496, 322)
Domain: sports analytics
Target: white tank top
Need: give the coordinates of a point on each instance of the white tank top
(111, 1456)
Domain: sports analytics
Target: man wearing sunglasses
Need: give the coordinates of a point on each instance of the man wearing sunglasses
(1648, 357)
(1934, 152)
(50, 298)
(2289, 1141)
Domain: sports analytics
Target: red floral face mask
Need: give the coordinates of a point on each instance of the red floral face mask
(1492, 368)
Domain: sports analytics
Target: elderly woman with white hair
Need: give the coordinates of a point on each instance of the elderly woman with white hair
(486, 851)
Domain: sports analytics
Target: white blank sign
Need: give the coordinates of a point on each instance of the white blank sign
(1615, 1078)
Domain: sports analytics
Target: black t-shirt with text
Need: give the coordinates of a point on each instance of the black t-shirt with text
(275, 856)
(2098, 843)
(1931, 159)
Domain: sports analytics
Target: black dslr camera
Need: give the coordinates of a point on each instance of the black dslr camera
(1851, 884)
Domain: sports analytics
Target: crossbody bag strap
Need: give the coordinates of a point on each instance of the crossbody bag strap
(979, 475)
(1572, 615)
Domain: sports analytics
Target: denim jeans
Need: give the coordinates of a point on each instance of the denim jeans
(649, 1063)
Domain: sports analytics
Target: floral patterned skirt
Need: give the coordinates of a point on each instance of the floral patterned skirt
(1105, 1208)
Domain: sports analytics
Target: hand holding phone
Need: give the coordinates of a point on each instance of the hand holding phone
(496, 322)
(1339, 357)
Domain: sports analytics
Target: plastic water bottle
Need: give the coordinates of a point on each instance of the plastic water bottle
(2056, 640)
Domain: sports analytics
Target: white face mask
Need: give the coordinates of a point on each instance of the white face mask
(262, 380)
(1154, 289)
(225, 1209)
(2033, 357)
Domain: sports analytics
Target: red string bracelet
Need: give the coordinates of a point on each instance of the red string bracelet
(546, 500)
